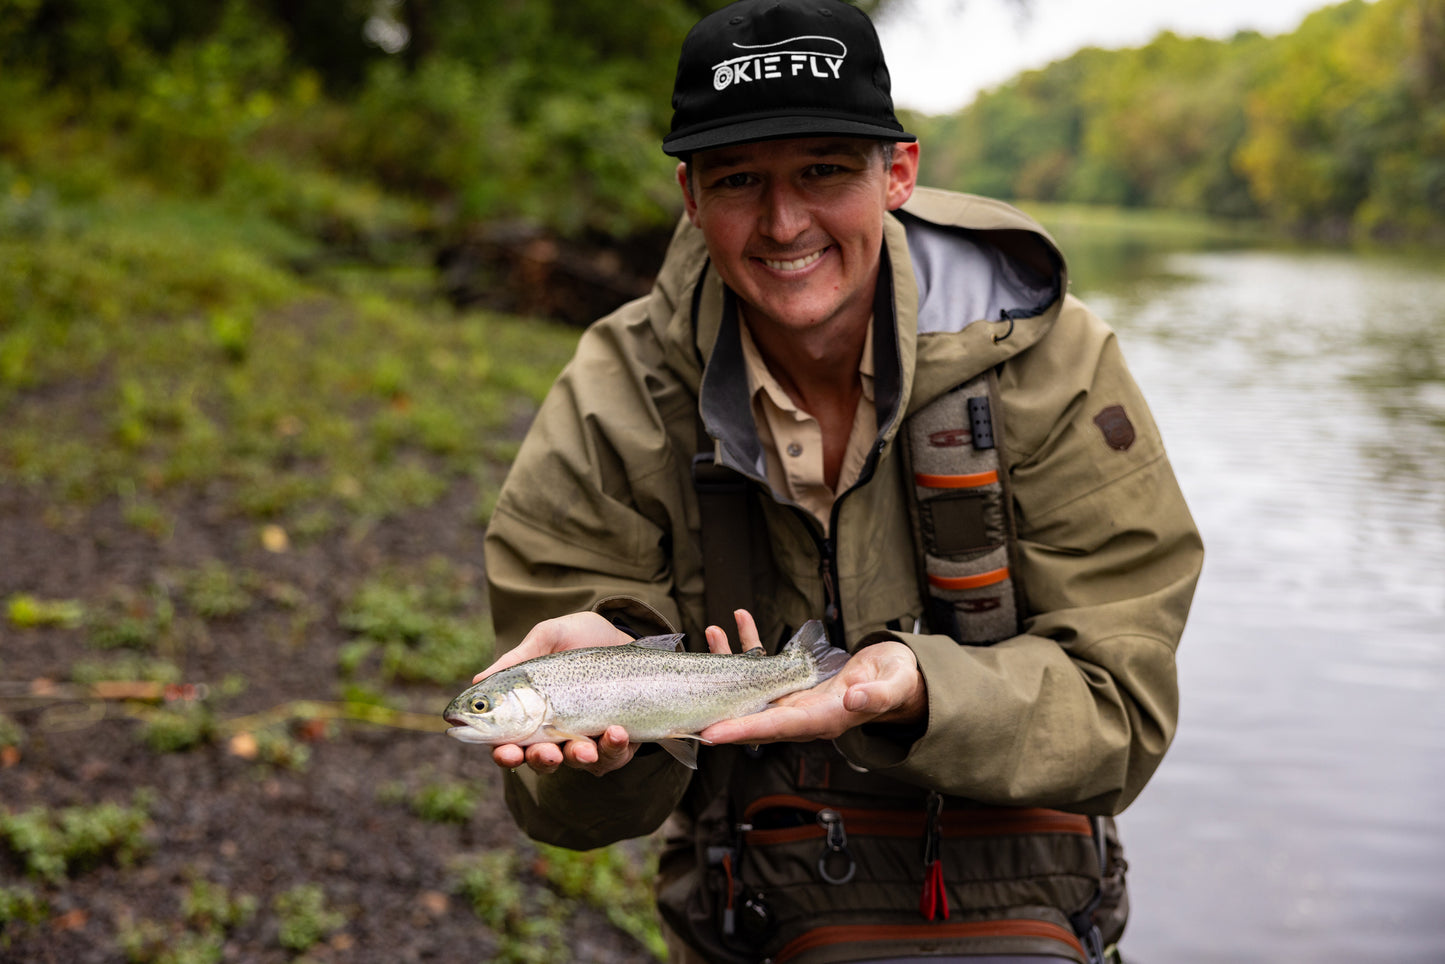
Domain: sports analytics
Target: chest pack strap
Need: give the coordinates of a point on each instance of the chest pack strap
(727, 534)
(963, 525)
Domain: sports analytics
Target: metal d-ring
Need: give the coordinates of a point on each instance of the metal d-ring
(835, 845)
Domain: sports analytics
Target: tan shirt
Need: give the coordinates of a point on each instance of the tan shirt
(793, 440)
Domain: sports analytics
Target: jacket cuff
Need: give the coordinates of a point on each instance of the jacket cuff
(575, 809)
(633, 616)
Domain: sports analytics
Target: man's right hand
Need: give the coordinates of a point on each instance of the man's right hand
(612, 749)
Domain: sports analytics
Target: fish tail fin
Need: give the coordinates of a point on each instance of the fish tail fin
(813, 640)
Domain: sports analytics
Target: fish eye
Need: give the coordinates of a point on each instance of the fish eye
(481, 705)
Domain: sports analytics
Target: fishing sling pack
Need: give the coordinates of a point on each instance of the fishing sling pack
(965, 549)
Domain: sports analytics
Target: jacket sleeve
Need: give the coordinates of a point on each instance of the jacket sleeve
(1076, 712)
(584, 522)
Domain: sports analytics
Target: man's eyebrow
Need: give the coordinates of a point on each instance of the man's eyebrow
(719, 159)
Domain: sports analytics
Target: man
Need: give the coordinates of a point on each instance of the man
(933, 798)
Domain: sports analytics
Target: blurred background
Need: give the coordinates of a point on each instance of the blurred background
(281, 284)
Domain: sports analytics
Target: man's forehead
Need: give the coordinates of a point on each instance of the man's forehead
(808, 148)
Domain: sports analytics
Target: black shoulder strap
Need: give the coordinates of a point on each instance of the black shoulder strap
(727, 533)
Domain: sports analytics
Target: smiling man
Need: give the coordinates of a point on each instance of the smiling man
(853, 399)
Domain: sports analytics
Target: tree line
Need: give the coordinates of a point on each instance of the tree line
(551, 112)
(1335, 130)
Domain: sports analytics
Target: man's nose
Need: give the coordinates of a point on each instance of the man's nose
(784, 216)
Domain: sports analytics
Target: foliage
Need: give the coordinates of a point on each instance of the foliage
(27, 612)
(305, 917)
(446, 801)
(526, 918)
(615, 881)
(418, 629)
(209, 912)
(54, 844)
(19, 905)
(1336, 128)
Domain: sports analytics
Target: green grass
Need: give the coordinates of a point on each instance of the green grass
(156, 345)
(54, 844)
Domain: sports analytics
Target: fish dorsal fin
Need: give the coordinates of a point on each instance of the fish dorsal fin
(755, 651)
(684, 751)
(666, 643)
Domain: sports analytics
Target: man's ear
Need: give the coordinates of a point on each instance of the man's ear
(689, 203)
(903, 174)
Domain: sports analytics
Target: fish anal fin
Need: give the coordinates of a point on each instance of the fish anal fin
(684, 751)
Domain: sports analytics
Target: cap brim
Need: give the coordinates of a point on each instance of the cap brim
(687, 142)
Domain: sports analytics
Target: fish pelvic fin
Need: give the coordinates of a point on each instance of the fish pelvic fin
(813, 640)
(684, 751)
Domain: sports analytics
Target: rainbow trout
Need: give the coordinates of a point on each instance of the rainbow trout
(656, 693)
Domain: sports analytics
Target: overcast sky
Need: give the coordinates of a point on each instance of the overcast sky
(941, 53)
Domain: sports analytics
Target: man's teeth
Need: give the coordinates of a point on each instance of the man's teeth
(793, 265)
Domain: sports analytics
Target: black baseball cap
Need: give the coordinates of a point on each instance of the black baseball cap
(758, 70)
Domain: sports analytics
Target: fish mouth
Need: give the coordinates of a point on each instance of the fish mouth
(467, 734)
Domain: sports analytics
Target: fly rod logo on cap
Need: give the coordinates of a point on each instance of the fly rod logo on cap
(814, 56)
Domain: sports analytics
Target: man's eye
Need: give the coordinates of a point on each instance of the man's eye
(825, 170)
(735, 181)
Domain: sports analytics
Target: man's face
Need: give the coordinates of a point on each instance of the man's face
(795, 226)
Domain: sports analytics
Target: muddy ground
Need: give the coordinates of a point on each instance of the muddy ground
(223, 815)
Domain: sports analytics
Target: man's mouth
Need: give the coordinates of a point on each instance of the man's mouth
(795, 265)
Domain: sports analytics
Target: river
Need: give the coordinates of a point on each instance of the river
(1300, 814)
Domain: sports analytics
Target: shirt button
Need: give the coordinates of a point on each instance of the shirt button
(794, 449)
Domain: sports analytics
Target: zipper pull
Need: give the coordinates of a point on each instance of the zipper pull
(835, 845)
(830, 590)
(933, 903)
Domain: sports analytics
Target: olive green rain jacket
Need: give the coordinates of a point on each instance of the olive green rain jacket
(1074, 714)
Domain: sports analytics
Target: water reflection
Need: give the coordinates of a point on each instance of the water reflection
(1301, 813)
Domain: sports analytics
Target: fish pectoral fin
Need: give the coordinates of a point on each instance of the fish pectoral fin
(552, 733)
(683, 751)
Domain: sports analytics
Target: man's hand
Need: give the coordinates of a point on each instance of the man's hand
(575, 631)
(880, 683)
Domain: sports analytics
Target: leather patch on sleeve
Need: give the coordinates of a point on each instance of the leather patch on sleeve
(1118, 430)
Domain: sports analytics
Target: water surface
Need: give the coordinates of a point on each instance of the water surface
(1300, 815)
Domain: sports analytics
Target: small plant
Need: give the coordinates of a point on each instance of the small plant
(445, 802)
(128, 666)
(19, 905)
(132, 620)
(212, 906)
(179, 728)
(150, 942)
(612, 880)
(305, 918)
(28, 612)
(216, 592)
(54, 844)
(210, 912)
(417, 630)
(527, 920)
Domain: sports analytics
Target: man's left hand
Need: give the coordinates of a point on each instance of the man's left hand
(879, 684)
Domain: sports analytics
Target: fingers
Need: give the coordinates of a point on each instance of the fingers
(717, 637)
(572, 631)
(747, 630)
(609, 752)
(717, 640)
